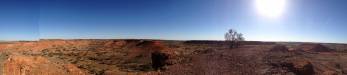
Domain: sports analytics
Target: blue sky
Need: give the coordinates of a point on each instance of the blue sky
(19, 20)
(301, 20)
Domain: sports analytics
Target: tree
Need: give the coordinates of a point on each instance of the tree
(234, 38)
(240, 37)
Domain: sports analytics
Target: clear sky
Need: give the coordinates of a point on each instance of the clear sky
(294, 20)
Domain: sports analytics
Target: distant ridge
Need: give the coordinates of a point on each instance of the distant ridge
(278, 42)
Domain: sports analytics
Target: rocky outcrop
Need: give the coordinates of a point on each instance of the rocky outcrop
(36, 65)
(279, 48)
(150, 53)
(314, 48)
(300, 67)
(159, 60)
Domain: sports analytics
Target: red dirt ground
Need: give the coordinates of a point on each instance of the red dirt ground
(122, 57)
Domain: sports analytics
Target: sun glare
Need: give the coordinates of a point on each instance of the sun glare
(270, 8)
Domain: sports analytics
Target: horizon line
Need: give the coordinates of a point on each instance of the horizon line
(157, 39)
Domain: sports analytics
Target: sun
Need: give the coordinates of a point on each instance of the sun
(270, 8)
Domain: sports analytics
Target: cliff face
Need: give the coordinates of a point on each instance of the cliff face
(153, 57)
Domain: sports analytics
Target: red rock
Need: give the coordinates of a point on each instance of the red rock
(36, 65)
(300, 67)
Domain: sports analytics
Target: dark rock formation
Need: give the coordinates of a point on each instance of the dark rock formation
(159, 60)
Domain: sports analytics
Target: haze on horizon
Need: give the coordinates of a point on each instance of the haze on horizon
(258, 20)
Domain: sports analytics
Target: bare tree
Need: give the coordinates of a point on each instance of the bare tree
(234, 38)
(230, 35)
(240, 37)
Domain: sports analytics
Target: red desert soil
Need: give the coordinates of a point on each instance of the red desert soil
(37, 65)
(167, 57)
